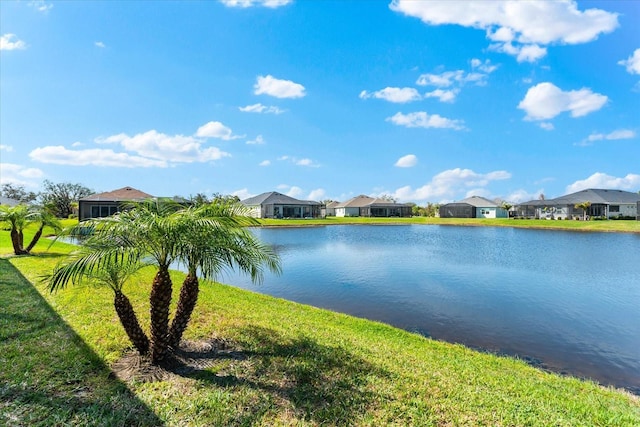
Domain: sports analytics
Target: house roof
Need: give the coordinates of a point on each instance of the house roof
(275, 198)
(332, 204)
(361, 201)
(596, 196)
(120, 195)
(479, 202)
(9, 202)
(536, 202)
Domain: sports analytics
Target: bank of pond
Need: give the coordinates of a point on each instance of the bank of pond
(564, 302)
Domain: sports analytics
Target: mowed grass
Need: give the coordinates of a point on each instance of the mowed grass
(292, 365)
(624, 226)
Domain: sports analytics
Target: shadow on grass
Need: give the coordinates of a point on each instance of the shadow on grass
(48, 375)
(319, 383)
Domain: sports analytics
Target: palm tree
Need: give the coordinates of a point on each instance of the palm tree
(19, 217)
(112, 269)
(506, 206)
(585, 207)
(215, 237)
(207, 239)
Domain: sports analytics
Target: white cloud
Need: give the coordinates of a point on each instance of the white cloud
(443, 95)
(100, 45)
(168, 148)
(444, 79)
(306, 162)
(526, 53)
(408, 161)
(520, 196)
(96, 157)
(485, 67)
(546, 126)
(250, 3)
(41, 5)
(423, 120)
(258, 141)
(519, 28)
(259, 108)
(545, 101)
(602, 180)
(291, 191)
(450, 185)
(11, 42)
(318, 194)
(612, 136)
(393, 94)
(632, 63)
(265, 163)
(299, 162)
(269, 85)
(20, 171)
(7, 148)
(456, 80)
(216, 130)
(19, 175)
(242, 193)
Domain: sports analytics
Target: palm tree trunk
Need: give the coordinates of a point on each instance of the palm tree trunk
(35, 239)
(159, 300)
(186, 304)
(130, 323)
(16, 241)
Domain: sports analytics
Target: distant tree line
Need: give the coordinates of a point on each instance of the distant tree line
(59, 200)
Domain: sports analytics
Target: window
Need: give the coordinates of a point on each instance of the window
(614, 208)
(103, 211)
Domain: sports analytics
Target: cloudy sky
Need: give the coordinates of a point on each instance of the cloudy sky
(426, 101)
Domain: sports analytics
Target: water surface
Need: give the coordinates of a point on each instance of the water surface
(566, 301)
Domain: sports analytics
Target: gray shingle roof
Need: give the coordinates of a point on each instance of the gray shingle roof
(9, 202)
(479, 202)
(275, 198)
(362, 201)
(596, 196)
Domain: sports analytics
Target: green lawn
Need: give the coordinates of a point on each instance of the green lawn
(625, 226)
(292, 365)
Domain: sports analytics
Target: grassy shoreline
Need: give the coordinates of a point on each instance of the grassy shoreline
(294, 365)
(619, 226)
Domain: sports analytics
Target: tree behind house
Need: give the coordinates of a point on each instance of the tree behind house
(60, 199)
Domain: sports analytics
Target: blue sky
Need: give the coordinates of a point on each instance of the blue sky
(426, 101)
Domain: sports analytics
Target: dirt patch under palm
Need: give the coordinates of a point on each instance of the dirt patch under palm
(190, 357)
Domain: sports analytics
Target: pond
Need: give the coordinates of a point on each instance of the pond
(564, 301)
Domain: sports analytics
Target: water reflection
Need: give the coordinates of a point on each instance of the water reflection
(569, 300)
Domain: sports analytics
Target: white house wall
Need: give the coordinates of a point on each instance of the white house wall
(491, 213)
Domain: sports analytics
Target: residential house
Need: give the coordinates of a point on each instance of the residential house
(372, 207)
(330, 209)
(473, 207)
(604, 203)
(276, 205)
(106, 204)
(8, 202)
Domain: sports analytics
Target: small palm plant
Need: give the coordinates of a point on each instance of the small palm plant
(19, 217)
(206, 239)
(111, 268)
(585, 208)
(215, 237)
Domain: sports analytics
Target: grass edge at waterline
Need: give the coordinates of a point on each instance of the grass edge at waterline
(296, 365)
